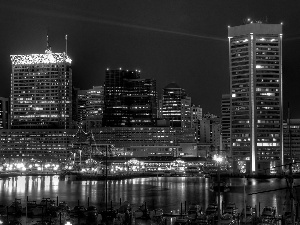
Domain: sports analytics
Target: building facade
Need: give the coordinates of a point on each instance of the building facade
(176, 106)
(129, 99)
(41, 91)
(291, 138)
(225, 123)
(209, 132)
(255, 58)
(94, 107)
(44, 144)
(4, 113)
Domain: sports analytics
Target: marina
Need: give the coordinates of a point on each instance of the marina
(150, 200)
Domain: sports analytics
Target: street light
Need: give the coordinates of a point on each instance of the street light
(218, 160)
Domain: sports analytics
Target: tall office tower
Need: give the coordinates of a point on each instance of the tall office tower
(4, 107)
(75, 105)
(41, 90)
(94, 107)
(81, 107)
(196, 113)
(255, 57)
(225, 122)
(129, 100)
(176, 106)
(291, 141)
(142, 102)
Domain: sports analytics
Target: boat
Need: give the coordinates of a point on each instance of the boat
(3, 210)
(194, 211)
(63, 206)
(182, 220)
(30, 205)
(250, 215)
(124, 211)
(227, 219)
(142, 212)
(156, 216)
(268, 215)
(212, 211)
(38, 211)
(200, 220)
(231, 209)
(78, 211)
(15, 208)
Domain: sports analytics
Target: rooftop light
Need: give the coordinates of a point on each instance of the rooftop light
(40, 59)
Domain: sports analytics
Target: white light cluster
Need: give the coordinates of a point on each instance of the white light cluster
(40, 59)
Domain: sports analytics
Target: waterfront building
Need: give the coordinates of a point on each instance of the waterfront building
(43, 144)
(4, 113)
(129, 99)
(144, 136)
(46, 144)
(225, 123)
(176, 106)
(180, 150)
(41, 91)
(255, 60)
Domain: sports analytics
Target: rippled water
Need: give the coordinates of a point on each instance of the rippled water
(168, 193)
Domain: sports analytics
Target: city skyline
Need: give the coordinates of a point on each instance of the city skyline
(168, 41)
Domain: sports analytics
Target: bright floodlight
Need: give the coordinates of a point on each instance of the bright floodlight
(68, 223)
(218, 158)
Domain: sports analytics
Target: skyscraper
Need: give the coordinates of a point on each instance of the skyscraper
(4, 112)
(255, 58)
(176, 106)
(94, 107)
(225, 122)
(129, 100)
(41, 90)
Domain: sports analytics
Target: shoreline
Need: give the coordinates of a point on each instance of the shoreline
(80, 176)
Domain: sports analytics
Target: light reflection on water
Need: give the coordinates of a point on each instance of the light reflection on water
(168, 193)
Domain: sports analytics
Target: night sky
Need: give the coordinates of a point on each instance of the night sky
(182, 41)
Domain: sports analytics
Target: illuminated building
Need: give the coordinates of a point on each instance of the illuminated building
(176, 106)
(36, 143)
(129, 99)
(291, 140)
(94, 107)
(196, 117)
(4, 112)
(255, 57)
(225, 122)
(196, 113)
(144, 136)
(41, 91)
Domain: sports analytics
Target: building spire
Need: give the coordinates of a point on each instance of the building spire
(48, 48)
(66, 37)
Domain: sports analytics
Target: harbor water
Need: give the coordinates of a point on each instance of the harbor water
(168, 193)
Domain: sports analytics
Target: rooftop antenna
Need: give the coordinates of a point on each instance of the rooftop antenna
(66, 37)
(48, 48)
